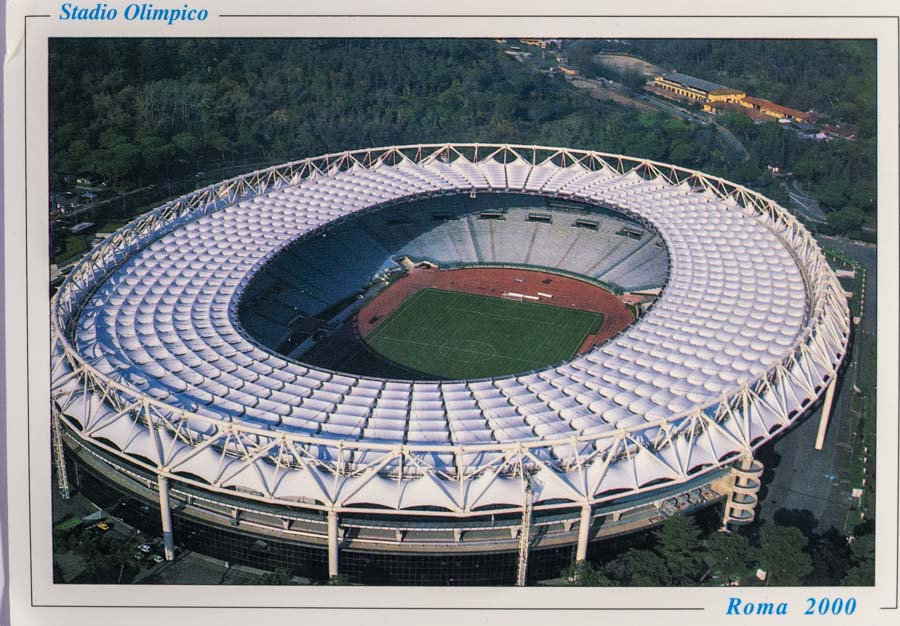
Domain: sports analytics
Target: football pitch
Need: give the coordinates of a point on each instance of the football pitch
(459, 335)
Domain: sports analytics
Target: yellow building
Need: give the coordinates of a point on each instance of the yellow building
(540, 43)
(726, 95)
(774, 110)
(697, 88)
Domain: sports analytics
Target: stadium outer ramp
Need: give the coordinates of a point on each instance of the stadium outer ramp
(154, 381)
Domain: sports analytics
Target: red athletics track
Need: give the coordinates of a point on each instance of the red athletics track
(489, 281)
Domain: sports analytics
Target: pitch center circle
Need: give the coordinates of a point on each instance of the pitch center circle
(467, 350)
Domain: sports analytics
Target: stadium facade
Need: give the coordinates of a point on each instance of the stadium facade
(162, 390)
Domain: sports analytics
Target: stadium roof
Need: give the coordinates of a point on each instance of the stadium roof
(749, 327)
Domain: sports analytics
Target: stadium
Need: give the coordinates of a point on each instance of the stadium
(440, 364)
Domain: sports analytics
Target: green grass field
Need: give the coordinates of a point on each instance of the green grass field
(459, 335)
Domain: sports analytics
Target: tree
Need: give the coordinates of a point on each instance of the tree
(640, 568)
(782, 555)
(678, 543)
(633, 79)
(120, 114)
(339, 579)
(846, 219)
(831, 558)
(581, 57)
(681, 153)
(729, 556)
(862, 552)
(103, 555)
(278, 576)
(583, 574)
(186, 142)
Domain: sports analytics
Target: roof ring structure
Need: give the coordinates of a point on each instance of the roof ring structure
(147, 355)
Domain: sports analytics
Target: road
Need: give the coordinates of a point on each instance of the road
(672, 109)
(809, 487)
(601, 90)
(94, 206)
(733, 141)
(806, 205)
(604, 88)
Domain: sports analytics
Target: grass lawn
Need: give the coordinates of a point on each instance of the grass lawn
(72, 246)
(459, 335)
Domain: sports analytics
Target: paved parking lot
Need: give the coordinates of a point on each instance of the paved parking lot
(808, 486)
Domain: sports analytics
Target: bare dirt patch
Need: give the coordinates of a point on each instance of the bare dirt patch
(625, 63)
(598, 91)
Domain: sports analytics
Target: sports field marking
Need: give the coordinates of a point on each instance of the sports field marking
(384, 325)
(510, 318)
(461, 335)
(441, 348)
(479, 350)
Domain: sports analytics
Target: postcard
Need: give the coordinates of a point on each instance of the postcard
(522, 313)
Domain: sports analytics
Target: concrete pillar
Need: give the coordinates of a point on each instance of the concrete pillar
(59, 455)
(524, 538)
(584, 533)
(332, 543)
(77, 474)
(166, 516)
(826, 414)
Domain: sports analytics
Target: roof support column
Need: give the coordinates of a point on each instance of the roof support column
(826, 413)
(584, 533)
(524, 536)
(165, 514)
(332, 543)
(59, 456)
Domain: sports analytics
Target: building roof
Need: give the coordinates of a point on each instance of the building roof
(753, 114)
(696, 83)
(806, 127)
(837, 131)
(771, 106)
(161, 327)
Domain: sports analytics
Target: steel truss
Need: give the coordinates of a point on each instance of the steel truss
(278, 467)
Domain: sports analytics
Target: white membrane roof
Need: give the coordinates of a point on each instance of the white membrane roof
(721, 343)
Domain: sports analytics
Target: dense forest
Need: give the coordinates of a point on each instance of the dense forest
(124, 110)
(834, 78)
(681, 552)
(133, 112)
